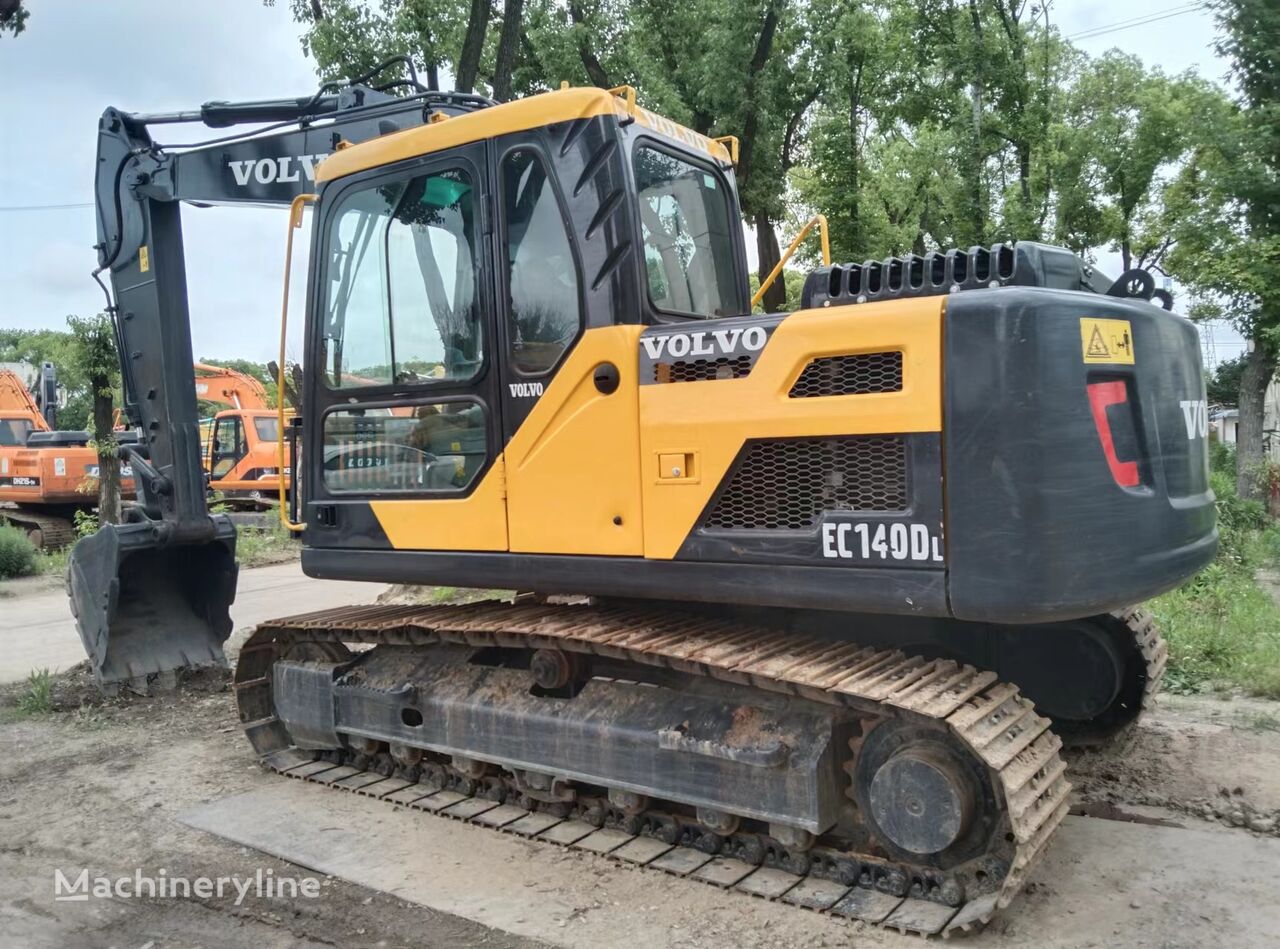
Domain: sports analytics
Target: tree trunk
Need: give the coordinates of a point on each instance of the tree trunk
(508, 44)
(1259, 367)
(770, 253)
(473, 45)
(593, 66)
(108, 453)
(433, 77)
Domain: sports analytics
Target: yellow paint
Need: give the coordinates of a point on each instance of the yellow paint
(144, 259)
(573, 467)
(685, 136)
(1106, 341)
(715, 418)
(295, 221)
(563, 105)
(476, 522)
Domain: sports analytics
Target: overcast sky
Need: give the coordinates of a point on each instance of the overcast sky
(77, 57)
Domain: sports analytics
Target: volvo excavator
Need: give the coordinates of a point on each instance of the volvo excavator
(788, 583)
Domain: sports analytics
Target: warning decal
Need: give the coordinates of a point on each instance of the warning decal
(1109, 341)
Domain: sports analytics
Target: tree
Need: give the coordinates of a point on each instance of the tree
(58, 347)
(94, 349)
(13, 16)
(1228, 239)
(1223, 385)
(1125, 128)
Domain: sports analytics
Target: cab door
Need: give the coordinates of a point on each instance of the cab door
(403, 433)
(568, 383)
(229, 446)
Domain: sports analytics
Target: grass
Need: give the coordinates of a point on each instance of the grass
(273, 545)
(53, 561)
(37, 697)
(1223, 627)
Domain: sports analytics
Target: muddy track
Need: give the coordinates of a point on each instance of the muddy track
(986, 717)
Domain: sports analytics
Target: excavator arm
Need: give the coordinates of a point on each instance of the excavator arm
(229, 387)
(153, 595)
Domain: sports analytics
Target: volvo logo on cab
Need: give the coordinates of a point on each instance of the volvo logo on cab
(705, 342)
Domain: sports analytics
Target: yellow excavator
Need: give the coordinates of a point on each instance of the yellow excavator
(786, 582)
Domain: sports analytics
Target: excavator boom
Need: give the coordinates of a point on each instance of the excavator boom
(152, 595)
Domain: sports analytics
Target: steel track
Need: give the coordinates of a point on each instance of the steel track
(989, 718)
(55, 532)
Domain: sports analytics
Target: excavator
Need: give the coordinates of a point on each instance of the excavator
(240, 451)
(807, 602)
(46, 475)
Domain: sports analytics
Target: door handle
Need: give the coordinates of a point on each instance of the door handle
(606, 378)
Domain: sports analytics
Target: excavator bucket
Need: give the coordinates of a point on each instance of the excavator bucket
(146, 607)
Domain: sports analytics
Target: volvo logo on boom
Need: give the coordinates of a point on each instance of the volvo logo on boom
(286, 169)
(705, 342)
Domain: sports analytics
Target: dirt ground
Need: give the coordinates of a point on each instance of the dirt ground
(98, 784)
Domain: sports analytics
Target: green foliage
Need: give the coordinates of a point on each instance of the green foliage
(273, 545)
(37, 697)
(37, 346)
(86, 523)
(17, 553)
(1223, 386)
(13, 16)
(1223, 627)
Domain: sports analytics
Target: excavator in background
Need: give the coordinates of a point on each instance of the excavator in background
(789, 582)
(46, 475)
(240, 443)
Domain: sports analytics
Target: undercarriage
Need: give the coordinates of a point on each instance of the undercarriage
(896, 789)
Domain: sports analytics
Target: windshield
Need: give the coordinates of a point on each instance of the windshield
(14, 431)
(403, 300)
(688, 241)
(268, 430)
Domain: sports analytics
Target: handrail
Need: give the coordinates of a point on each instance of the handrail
(730, 142)
(628, 96)
(821, 221)
(295, 222)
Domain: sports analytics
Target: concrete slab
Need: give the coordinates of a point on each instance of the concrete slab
(1102, 882)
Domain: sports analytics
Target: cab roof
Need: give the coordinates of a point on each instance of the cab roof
(547, 108)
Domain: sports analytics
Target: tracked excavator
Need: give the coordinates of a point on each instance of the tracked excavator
(240, 450)
(788, 582)
(46, 475)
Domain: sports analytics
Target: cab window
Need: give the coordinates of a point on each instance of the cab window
(685, 220)
(403, 302)
(267, 427)
(14, 431)
(542, 280)
(435, 447)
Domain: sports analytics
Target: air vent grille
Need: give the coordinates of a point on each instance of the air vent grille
(700, 370)
(787, 484)
(858, 374)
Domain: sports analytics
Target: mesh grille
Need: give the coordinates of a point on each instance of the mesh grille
(699, 370)
(787, 485)
(859, 374)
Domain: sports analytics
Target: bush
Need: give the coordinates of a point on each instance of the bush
(17, 554)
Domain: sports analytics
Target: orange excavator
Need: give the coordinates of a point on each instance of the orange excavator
(240, 452)
(46, 475)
